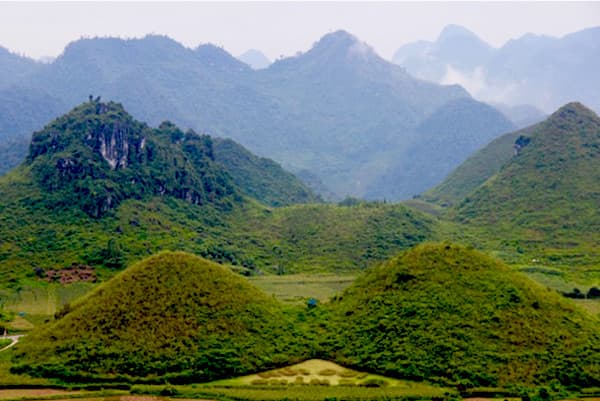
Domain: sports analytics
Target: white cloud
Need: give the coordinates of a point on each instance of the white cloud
(478, 85)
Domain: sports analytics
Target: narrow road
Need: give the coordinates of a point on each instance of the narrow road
(14, 339)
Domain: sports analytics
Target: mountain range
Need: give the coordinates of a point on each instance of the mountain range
(541, 71)
(296, 111)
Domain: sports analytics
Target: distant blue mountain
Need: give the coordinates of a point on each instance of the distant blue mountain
(542, 71)
(339, 112)
(255, 59)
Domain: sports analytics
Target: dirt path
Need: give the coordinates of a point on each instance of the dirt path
(14, 339)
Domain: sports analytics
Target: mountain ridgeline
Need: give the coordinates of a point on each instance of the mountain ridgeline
(259, 177)
(296, 111)
(452, 132)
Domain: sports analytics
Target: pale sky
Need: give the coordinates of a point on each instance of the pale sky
(281, 28)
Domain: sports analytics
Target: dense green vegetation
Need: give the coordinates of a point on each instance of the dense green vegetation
(101, 189)
(173, 317)
(544, 201)
(438, 312)
(261, 178)
(100, 155)
(444, 312)
(316, 238)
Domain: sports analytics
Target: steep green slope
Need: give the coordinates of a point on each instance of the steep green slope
(172, 317)
(261, 178)
(480, 166)
(446, 313)
(545, 197)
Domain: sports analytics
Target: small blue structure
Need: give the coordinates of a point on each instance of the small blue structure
(311, 303)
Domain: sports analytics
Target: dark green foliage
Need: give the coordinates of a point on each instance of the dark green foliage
(172, 317)
(447, 313)
(261, 178)
(98, 153)
(327, 238)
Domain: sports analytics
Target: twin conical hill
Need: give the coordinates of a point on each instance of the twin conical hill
(172, 316)
(445, 312)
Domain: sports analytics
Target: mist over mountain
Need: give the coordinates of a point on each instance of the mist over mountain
(542, 71)
(255, 59)
(338, 111)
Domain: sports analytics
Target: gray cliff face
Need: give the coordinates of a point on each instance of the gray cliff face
(116, 145)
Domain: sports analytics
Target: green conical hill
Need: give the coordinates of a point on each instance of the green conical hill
(548, 193)
(446, 313)
(173, 317)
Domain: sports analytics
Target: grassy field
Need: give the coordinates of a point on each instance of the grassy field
(297, 288)
(320, 372)
(317, 393)
(44, 300)
(39, 393)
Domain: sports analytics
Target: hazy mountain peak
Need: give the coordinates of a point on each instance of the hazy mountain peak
(255, 59)
(341, 45)
(120, 49)
(453, 31)
(216, 56)
(338, 41)
(339, 38)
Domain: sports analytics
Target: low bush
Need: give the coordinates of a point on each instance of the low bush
(328, 372)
